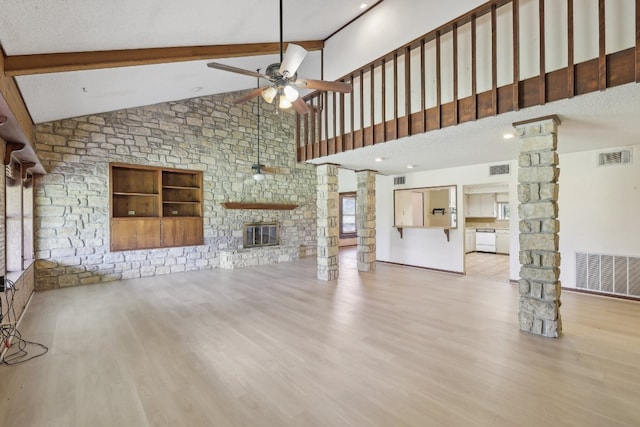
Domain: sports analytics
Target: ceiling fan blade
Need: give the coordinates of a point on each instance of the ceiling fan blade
(293, 57)
(247, 96)
(237, 70)
(324, 85)
(300, 106)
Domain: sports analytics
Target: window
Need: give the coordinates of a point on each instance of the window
(503, 210)
(347, 215)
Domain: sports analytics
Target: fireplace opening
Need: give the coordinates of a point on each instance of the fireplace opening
(258, 234)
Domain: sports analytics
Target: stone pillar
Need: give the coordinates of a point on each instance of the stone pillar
(366, 220)
(328, 232)
(539, 257)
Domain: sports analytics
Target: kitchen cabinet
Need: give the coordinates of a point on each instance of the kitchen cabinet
(469, 240)
(481, 205)
(155, 207)
(502, 241)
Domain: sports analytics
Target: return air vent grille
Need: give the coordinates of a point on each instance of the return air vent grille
(398, 180)
(611, 274)
(614, 158)
(499, 169)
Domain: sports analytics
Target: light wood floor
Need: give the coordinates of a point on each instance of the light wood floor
(487, 266)
(272, 346)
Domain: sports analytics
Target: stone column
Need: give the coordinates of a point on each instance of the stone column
(366, 220)
(539, 257)
(328, 233)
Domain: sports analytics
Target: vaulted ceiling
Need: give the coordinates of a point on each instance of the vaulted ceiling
(157, 40)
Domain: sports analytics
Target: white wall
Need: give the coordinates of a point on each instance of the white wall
(429, 247)
(598, 208)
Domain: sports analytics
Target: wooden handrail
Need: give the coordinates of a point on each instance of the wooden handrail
(350, 130)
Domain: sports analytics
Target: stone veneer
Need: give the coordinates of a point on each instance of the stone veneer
(539, 252)
(208, 134)
(327, 224)
(366, 220)
(250, 257)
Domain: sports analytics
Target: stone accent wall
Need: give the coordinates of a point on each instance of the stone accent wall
(366, 220)
(208, 134)
(539, 252)
(328, 233)
(241, 258)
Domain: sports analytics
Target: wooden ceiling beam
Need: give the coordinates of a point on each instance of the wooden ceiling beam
(20, 65)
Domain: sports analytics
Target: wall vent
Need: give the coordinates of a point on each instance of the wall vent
(614, 158)
(612, 274)
(398, 180)
(499, 169)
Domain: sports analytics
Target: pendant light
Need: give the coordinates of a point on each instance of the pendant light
(258, 175)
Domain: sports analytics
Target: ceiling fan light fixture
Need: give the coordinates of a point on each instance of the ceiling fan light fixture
(269, 94)
(284, 103)
(291, 93)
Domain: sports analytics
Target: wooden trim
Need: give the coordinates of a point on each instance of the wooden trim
(516, 55)
(553, 117)
(542, 84)
(602, 57)
(571, 72)
(262, 206)
(9, 149)
(21, 65)
(10, 94)
(298, 132)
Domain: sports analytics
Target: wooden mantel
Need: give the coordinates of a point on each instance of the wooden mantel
(253, 205)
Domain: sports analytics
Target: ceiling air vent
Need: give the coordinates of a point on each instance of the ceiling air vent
(499, 169)
(398, 180)
(614, 158)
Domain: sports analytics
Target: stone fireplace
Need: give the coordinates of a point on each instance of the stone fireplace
(258, 234)
(260, 245)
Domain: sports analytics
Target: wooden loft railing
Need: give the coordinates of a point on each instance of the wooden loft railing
(477, 66)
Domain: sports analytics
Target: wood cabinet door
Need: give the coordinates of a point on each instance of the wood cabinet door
(148, 233)
(182, 231)
(192, 231)
(123, 234)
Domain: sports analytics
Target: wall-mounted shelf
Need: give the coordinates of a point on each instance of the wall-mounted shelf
(401, 230)
(251, 205)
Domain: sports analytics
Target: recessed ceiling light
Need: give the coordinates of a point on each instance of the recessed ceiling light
(508, 136)
(411, 166)
(379, 159)
(363, 5)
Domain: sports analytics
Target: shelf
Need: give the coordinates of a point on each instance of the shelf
(115, 193)
(171, 202)
(401, 230)
(175, 187)
(251, 205)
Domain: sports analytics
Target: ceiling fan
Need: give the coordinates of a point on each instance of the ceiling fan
(283, 79)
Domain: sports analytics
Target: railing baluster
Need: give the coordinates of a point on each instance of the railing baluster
(516, 55)
(455, 73)
(395, 94)
(602, 57)
(494, 58)
(571, 72)
(372, 107)
(363, 142)
(542, 87)
(423, 84)
(474, 69)
(438, 82)
(407, 88)
(384, 100)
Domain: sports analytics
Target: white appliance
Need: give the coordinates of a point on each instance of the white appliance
(486, 240)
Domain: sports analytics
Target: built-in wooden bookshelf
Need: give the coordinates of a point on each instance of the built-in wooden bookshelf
(154, 207)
